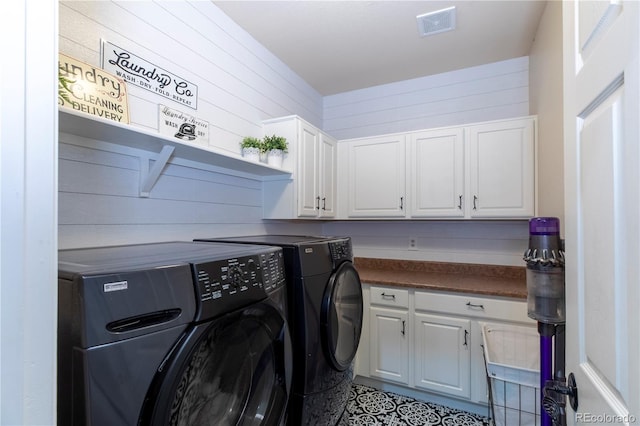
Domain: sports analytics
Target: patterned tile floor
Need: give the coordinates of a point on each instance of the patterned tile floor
(369, 406)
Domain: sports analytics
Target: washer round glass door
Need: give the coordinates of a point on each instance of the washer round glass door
(342, 316)
(227, 372)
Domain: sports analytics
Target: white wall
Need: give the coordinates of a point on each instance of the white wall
(482, 93)
(489, 242)
(240, 84)
(99, 202)
(28, 180)
(546, 100)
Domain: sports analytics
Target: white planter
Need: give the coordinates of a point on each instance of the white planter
(274, 158)
(251, 154)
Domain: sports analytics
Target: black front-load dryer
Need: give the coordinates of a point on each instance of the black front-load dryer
(173, 334)
(325, 312)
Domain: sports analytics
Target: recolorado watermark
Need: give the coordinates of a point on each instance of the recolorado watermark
(603, 419)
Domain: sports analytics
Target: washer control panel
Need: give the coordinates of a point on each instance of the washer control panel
(224, 285)
(340, 250)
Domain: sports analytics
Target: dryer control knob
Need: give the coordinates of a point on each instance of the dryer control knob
(235, 276)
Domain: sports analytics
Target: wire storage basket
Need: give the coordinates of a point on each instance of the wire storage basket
(512, 360)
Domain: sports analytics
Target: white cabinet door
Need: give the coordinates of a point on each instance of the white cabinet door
(436, 173)
(501, 166)
(328, 175)
(389, 344)
(307, 171)
(442, 354)
(376, 177)
(479, 389)
(311, 190)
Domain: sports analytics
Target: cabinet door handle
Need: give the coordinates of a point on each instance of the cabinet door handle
(401, 203)
(475, 198)
(471, 305)
(388, 296)
(460, 202)
(466, 333)
(403, 329)
(318, 203)
(324, 203)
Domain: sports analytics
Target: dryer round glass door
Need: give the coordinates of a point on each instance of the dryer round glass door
(231, 371)
(342, 316)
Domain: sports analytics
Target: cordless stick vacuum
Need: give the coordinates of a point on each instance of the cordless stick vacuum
(546, 304)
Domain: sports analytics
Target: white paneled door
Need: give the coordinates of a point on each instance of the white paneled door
(602, 209)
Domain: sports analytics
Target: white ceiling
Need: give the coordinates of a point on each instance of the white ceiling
(338, 46)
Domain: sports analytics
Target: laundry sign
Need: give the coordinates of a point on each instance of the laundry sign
(176, 124)
(141, 73)
(83, 87)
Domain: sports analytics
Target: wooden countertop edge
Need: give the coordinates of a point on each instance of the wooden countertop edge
(474, 284)
(515, 293)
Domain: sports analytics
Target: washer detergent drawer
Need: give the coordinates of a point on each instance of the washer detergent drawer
(122, 306)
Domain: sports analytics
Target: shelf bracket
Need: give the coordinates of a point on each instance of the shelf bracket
(149, 176)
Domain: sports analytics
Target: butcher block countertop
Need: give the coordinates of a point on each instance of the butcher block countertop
(491, 280)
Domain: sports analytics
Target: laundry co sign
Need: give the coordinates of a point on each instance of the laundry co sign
(139, 72)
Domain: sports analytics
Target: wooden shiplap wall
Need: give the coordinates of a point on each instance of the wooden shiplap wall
(482, 93)
(240, 84)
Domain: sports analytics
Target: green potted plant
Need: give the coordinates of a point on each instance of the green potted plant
(275, 147)
(251, 148)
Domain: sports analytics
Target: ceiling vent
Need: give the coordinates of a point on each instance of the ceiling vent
(437, 22)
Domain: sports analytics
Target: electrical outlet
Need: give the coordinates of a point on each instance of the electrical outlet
(413, 243)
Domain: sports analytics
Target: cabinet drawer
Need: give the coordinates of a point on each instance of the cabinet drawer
(480, 307)
(390, 297)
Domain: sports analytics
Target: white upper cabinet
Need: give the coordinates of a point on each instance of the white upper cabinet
(484, 170)
(376, 177)
(307, 171)
(328, 175)
(502, 168)
(436, 170)
(311, 191)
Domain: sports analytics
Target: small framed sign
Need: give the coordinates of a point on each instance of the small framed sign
(142, 73)
(83, 87)
(176, 124)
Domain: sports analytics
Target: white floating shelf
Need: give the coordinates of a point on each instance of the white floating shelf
(81, 124)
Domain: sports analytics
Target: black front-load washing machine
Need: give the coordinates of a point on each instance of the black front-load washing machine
(177, 333)
(325, 315)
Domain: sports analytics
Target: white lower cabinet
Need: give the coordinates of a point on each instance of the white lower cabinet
(389, 344)
(431, 341)
(388, 340)
(442, 354)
